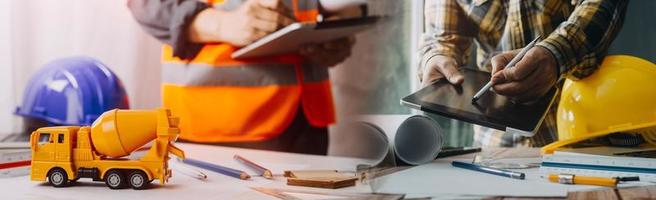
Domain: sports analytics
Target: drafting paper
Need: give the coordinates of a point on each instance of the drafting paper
(439, 178)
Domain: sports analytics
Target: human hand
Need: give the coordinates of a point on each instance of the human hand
(328, 54)
(532, 77)
(242, 26)
(439, 67)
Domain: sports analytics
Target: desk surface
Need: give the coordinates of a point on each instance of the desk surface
(223, 187)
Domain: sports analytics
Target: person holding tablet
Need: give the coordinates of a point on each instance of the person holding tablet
(281, 103)
(576, 36)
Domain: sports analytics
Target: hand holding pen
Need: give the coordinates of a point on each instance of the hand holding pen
(523, 75)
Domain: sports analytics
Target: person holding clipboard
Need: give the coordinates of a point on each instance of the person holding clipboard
(281, 102)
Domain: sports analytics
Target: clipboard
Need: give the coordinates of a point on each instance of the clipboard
(292, 37)
(491, 110)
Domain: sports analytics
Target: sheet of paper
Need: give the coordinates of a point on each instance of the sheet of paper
(440, 178)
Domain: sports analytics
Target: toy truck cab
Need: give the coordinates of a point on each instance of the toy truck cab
(51, 154)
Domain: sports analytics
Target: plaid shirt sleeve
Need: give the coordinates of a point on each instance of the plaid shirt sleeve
(448, 32)
(580, 43)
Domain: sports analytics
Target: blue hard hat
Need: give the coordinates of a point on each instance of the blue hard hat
(72, 91)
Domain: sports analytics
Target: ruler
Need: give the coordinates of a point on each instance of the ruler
(611, 161)
(593, 172)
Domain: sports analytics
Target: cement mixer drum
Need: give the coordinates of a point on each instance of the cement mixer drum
(116, 133)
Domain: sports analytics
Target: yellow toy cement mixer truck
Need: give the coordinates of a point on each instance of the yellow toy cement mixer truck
(63, 154)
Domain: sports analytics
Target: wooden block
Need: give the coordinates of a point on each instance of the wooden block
(320, 178)
(647, 192)
(594, 194)
(312, 173)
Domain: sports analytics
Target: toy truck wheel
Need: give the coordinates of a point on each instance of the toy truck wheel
(114, 179)
(138, 180)
(58, 177)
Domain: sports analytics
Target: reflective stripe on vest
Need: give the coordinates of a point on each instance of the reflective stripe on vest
(197, 74)
(220, 99)
(259, 74)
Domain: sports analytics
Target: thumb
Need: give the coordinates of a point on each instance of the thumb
(499, 63)
(452, 74)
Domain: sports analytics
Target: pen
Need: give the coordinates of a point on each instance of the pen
(189, 171)
(455, 151)
(266, 173)
(510, 64)
(489, 170)
(217, 168)
(589, 180)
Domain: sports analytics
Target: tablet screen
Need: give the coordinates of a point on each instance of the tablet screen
(491, 110)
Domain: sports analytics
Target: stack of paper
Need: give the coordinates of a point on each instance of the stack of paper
(603, 161)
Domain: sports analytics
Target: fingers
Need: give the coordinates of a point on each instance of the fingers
(269, 20)
(529, 79)
(273, 16)
(257, 34)
(275, 5)
(514, 88)
(499, 63)
(526, 89)
(451, 73)
(522, 69)
(440, 67)
(264, 26)
(430, 75)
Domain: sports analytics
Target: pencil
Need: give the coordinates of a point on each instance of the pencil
(191, 172)
(266, 173)
(590, 180)
(217, 168)
(489, 170)
(510, 64)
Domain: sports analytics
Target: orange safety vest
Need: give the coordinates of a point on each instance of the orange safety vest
(220, 99)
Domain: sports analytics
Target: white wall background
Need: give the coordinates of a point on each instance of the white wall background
(33, 32)
(6, 72)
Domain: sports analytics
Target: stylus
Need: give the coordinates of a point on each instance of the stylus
(510, 64)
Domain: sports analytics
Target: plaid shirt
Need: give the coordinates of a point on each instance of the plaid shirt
(578, 34)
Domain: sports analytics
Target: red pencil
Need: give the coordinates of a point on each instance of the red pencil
(266, 173)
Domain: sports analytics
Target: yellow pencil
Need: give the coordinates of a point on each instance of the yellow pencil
(588, 180)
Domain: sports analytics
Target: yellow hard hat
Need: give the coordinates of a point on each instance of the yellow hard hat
(619, 97)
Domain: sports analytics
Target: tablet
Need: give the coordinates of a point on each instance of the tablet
(291, 38)
(491, 110)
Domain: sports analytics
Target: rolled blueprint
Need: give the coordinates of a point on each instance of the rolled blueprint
(418, 140)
